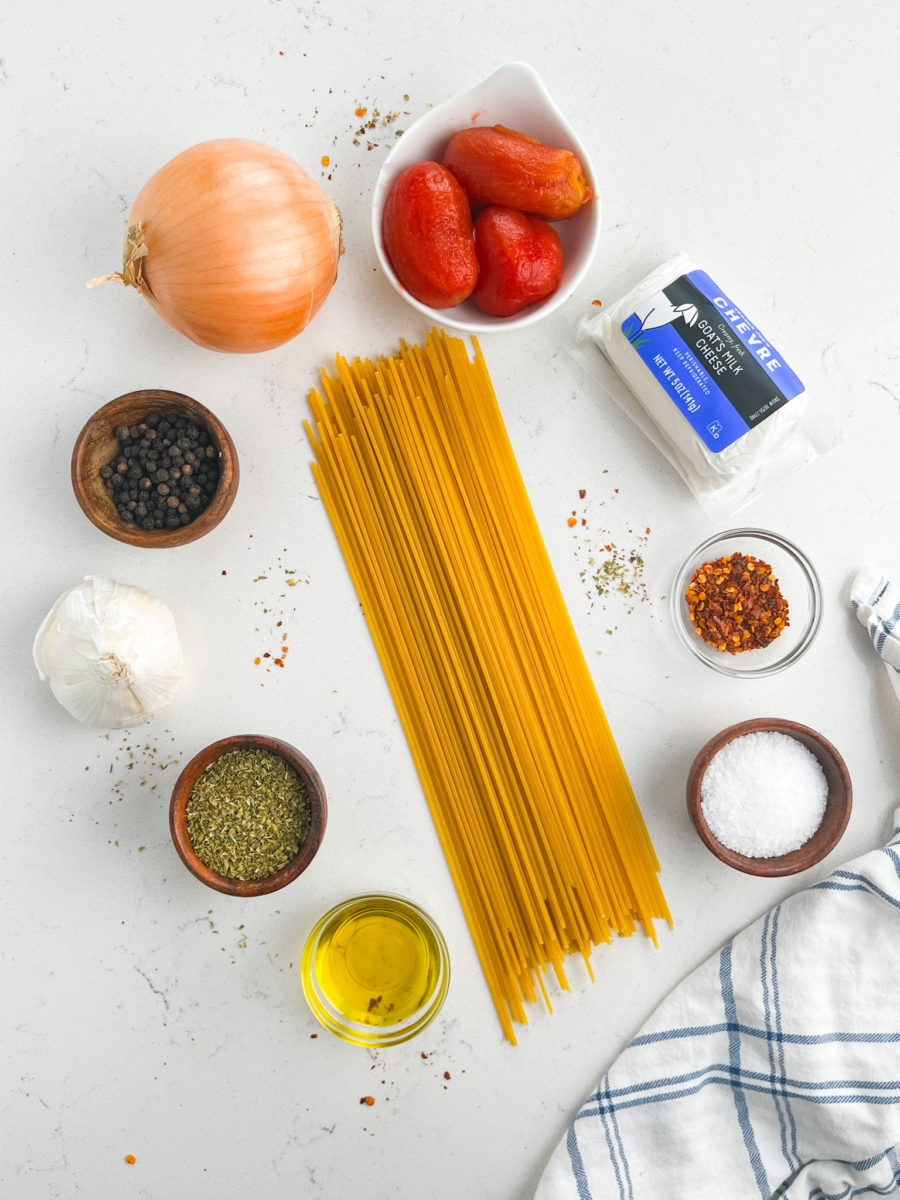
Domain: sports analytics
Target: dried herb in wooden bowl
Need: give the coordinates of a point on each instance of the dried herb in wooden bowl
(248, 814)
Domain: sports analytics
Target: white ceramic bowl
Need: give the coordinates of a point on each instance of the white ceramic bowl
(513, 96)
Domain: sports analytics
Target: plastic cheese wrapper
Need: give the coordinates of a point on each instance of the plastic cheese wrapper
(705, 385)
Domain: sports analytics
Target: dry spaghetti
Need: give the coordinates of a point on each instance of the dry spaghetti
(526, 787)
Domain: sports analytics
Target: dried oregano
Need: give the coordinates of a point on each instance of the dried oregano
(248, 814)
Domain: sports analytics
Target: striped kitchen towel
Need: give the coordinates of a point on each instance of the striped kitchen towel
(876, 601)
(772, 1071)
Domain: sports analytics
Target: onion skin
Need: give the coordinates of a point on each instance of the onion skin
(234, 245)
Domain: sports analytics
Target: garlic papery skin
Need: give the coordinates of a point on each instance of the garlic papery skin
(110, 652)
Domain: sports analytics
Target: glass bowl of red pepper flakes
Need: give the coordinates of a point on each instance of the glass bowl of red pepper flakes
(747, 603)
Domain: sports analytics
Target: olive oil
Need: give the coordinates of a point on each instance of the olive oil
(375, 963)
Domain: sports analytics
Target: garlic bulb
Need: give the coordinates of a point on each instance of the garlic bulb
(111, 653)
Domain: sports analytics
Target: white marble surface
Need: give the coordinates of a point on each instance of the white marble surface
(146, 1015)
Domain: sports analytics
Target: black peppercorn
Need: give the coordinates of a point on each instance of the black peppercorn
(165, 474)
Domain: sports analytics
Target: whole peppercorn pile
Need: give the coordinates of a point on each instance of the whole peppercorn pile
(166, 473)
(735, 603)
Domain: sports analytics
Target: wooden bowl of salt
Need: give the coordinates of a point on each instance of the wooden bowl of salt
(769, 805)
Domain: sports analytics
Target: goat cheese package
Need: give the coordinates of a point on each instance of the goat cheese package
(706, 385)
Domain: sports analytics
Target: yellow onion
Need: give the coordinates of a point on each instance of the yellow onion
(233, 244)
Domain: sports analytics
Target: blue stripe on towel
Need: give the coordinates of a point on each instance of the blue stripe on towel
(603, 1113)
(620, 1094)
(725, 1078)
(577, 1164)
(618, 1140)
(858, 883)
(797, 1039)
(776, 917)
(767, 963)
(740, 1100)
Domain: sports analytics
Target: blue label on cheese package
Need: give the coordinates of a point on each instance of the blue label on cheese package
(713, 363)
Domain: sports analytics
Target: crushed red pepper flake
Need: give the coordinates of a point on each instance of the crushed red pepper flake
(735, 603)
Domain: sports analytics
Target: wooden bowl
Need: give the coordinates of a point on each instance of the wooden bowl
(837, 804)
(97, 445)
(182, 793)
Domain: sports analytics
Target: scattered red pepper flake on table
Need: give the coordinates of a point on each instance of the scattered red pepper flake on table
(130, 1159)
(620, 574)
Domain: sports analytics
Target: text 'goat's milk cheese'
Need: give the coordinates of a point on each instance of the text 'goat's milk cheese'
(714, 394)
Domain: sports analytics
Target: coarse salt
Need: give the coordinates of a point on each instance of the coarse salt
(763, 794)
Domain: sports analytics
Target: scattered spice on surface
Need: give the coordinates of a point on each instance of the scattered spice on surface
(248, 814)
(130, 1159)
(372, 127)
(136, 763)
(735, 603)
(283, 573)
(166, 472)
(370, 1100)
(613, 573)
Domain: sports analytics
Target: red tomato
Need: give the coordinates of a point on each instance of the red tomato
(496, 165)
(520, 261)
(427, 231)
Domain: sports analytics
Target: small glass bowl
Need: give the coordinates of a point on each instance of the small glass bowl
(368, 958)
(799, 584)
